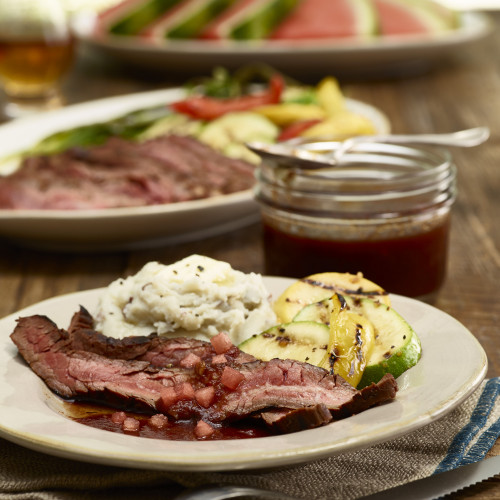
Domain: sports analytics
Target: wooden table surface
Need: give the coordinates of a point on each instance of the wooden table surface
(462, 92)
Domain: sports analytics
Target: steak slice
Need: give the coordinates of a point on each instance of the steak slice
(284, 421)
(209, 389)
(292, 384)
(159, 351)
(86, 376)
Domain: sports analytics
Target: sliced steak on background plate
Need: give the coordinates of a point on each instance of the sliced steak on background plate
(122, 173)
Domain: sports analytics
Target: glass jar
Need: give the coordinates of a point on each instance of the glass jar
(384, 211)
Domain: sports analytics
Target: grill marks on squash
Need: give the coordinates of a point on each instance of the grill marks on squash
(340, 290)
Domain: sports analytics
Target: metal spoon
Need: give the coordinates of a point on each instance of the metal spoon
(331, 152)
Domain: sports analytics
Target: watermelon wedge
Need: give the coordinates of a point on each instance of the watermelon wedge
(314, 19)
(186, 19)
(413, 17)
(249, 19)
(130, 17)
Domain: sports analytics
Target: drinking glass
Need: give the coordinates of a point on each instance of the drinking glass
(36, 50)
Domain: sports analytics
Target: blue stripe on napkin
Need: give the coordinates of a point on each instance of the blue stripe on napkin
(460, 452)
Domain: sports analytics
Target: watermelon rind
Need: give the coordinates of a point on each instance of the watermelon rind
(249, 19)
(263, 20)
(194, 23)
(366, 18)
(145, 13)
(449, 17)
(188, 19)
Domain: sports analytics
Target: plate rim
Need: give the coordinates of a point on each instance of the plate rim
(294, 452)
(129, 212)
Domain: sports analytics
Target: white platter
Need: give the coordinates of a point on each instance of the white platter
(436, 385)
(125, 228)
(395, 53)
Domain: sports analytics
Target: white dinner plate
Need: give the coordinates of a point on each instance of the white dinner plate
(452, 365)
(391, 53)
(125, 228)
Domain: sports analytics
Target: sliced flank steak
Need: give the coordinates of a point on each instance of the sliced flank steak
(209, 381)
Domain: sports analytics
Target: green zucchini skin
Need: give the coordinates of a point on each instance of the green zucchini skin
(397, 346)
(400, 360)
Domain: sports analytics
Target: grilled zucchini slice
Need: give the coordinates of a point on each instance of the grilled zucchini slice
(305, 341)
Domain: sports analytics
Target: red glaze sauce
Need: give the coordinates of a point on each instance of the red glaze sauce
(178, 431)
(413, 265)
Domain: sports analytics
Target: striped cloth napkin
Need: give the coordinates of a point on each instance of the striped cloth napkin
(463, 436)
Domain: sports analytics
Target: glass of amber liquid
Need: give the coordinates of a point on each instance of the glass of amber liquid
(36, 51)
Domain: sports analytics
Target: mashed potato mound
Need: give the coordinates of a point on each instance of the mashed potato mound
(195, 297)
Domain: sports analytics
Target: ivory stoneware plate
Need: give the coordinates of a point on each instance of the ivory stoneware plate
(125, 228)
(429, 390)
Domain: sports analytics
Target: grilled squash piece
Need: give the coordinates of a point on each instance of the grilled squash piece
(305, 341)
(321, 286)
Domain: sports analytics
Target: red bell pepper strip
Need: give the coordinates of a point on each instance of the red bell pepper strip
(295, 129)
(209, 108)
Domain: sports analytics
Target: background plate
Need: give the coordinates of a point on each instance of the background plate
(125, 228)
(395, 53)
(432, 388)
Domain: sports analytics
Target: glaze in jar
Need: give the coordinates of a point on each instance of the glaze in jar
(383, 211)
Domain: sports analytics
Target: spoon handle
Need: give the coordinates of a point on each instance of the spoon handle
(463, 138)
